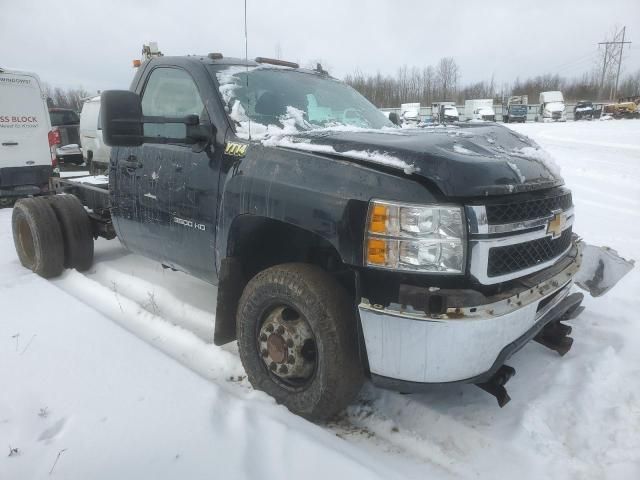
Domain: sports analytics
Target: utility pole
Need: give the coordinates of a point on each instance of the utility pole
(615, 44)
(619, 62)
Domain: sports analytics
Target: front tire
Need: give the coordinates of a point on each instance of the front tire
(297, 340)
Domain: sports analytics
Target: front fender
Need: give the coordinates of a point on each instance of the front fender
(326, 196)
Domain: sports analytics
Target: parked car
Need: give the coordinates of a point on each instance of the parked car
(583, 110)
(25, 131)
(66, 135)
(341, 248)
(94, 150)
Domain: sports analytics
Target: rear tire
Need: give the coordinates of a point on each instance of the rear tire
(38, 237)
(76, 231)
(325, 325)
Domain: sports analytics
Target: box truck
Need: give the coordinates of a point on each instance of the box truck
(481, 110)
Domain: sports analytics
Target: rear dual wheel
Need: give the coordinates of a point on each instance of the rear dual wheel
(297, 340)
(76, 231)
(51, 234)
(37, 236)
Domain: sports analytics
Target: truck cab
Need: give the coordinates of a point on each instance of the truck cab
(444, 112)
(552, 108)
(583, 110)
(516, 109)
(342, 246)
(410, 114)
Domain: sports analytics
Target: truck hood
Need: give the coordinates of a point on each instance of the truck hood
(554, 106)
(465, 160)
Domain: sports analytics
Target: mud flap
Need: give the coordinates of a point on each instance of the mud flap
(601, 269)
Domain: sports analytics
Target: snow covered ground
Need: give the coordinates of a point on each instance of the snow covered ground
(110, 374)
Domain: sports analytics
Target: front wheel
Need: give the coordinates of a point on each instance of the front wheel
(297, 340)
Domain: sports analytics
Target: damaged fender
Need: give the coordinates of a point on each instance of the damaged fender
(601, 269)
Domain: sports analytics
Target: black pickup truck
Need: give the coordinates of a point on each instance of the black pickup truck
(343, 247)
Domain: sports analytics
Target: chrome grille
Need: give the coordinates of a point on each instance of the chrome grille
(512, 258)
(531, 209)
(512, 240)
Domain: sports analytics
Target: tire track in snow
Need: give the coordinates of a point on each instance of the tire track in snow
(166, 330)
(386, 423)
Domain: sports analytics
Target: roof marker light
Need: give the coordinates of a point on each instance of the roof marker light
(274, 61)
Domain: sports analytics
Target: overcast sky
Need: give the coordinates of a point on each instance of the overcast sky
(92, 43)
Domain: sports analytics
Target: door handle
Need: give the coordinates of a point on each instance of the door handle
(9, 144)
(131, 163)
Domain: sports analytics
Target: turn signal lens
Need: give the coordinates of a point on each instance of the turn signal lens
(379, 215)
(377, 251)
(136, 63)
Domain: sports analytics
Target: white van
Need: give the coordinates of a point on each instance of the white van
(94, 151)
(25, 152)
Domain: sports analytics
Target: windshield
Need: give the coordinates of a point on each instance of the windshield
(554, 106)
(63, 117)
(277, 98)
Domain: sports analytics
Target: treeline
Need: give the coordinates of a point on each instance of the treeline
(442, 83)
(65, 97)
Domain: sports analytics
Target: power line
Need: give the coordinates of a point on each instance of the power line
(610, 54)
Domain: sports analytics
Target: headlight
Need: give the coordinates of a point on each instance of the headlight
(415, 237)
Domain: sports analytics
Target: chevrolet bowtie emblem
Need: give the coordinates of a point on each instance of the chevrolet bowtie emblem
(556, 224)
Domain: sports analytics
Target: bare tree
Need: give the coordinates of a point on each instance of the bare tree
(447, 76)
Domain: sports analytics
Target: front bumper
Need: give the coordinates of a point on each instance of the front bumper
(66, 151)
(467, 343)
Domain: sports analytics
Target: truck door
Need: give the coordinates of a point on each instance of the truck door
(169, 191)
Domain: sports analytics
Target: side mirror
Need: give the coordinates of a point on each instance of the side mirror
(123, 122)
(121, 118)
(393, 117)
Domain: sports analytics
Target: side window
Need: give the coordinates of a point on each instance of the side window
(170, 92)
(98, 121)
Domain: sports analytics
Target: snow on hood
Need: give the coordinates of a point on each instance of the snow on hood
(542, 156)
(291, 137)
(554, 106)
(470, 160)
